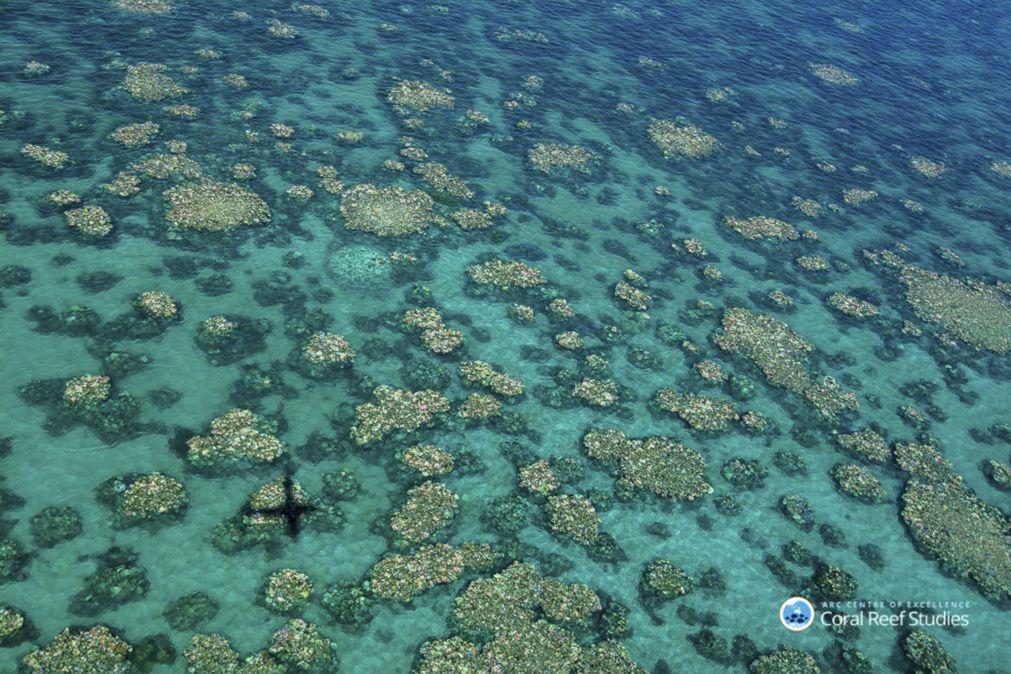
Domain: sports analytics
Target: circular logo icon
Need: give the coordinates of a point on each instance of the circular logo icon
(796, 614)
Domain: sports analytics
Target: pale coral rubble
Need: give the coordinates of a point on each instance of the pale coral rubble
(386, 211)
(681, 140)
(212, 206)
(781, 355)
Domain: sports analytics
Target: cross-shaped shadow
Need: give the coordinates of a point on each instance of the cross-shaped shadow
(292, 510)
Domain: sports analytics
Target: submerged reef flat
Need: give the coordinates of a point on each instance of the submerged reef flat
(214, 206)
(504, 338)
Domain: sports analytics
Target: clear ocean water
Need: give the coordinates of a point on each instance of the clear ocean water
(792, 143)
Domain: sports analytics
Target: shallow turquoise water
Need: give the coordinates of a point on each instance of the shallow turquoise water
(929, 86)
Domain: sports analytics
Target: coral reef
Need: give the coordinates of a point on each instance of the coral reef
(211, 206)
(395, 410)
(658, 465)
(237, 438)
(386, 211)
